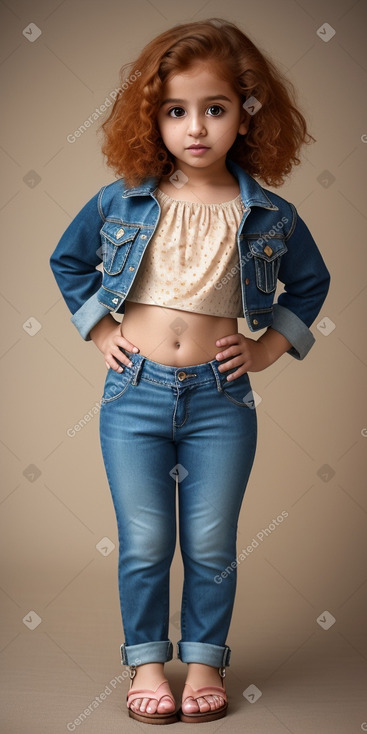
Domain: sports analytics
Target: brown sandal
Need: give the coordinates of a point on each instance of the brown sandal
(162, 691)
(198, 716)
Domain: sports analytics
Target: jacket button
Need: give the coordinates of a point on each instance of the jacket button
(255, 322)
(143, 236)
(131, 268)
(268, 250)
(247, 281)
(120, 232)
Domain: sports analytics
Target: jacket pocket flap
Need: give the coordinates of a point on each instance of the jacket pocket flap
(268, 249)
(118, 234)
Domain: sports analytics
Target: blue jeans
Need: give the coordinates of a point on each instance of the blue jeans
(161, 428)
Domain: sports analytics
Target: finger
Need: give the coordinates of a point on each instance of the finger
(230, 339)
(129, 346)
(230, 352)
(236, 374)
(231, 363)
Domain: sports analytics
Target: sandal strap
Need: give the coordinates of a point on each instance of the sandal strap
(190, 692)
(162, 691)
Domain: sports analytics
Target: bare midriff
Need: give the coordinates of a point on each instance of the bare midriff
(174, 337)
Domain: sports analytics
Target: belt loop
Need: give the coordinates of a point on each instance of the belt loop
(136, 378)
(216, 375)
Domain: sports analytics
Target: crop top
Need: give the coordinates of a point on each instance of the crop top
(193, 247)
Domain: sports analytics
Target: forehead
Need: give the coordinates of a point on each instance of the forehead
(203, 76)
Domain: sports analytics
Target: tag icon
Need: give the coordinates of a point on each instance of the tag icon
(31, 32)
(252, 399)
(32, 620)
(32, 179)
(178, 472)
(326, 179)
(252, 693)
(105, 546)
(326, 32)
(326, 620)
(252, 105)
(326, 472)
(326, 326)
(178, 326)
(32, 472)
(32, 326)
(178, 179)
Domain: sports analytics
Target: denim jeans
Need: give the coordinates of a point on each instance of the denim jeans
(184, 431)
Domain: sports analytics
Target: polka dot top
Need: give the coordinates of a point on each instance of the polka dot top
(193, 248)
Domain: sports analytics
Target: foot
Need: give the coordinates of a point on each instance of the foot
(150, 676)
(199, 676)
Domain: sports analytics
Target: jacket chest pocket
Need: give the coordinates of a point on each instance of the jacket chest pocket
(117, 240)
(266, 256)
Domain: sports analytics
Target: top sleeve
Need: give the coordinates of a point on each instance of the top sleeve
(76, 256)
(306, 282)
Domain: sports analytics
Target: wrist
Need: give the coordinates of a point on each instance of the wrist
(274, 344)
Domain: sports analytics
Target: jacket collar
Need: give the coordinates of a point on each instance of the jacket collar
(252, 194)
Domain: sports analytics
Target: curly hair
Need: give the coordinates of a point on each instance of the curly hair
(132, 143)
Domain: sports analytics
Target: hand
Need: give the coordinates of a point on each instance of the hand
(108, 338)
(248, 355)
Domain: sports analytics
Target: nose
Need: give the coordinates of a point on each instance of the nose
(196, 126)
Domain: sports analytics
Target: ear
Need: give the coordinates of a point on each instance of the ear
(244, 122)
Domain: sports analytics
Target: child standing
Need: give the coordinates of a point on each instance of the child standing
(190, 242)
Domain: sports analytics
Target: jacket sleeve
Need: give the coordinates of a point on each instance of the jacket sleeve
(74, 262)
(306, 282)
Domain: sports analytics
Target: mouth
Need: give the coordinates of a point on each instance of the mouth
(198, 147)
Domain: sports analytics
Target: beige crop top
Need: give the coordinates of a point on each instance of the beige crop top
(192, 249)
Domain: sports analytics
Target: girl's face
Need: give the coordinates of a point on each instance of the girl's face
(199, 118)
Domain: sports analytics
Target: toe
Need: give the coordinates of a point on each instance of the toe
(190, 706)
(152, 706)
(165, 705)
(204, 704)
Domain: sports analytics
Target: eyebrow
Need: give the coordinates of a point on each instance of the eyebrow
(204, 99)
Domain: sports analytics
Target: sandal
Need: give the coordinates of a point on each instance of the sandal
(162, 691)
(198, 717)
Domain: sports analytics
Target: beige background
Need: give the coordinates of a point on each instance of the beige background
(56, 506)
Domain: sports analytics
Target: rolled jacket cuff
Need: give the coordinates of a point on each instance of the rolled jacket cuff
(298, 334)
(203, 652)
(146, 652)
(88, 315)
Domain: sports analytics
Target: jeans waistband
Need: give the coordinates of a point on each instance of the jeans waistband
(190, 375)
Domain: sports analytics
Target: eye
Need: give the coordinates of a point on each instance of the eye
(215, 110)
(178, 112)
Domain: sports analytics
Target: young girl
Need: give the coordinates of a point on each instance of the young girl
(190, 242)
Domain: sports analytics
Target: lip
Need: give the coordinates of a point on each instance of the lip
(198, 150)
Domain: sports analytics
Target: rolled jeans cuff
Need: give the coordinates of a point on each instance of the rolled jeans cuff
(202, 652)
(146, 652)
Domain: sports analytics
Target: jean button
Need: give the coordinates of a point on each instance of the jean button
(182, 376)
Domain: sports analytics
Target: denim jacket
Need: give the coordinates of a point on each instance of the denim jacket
(273, 243)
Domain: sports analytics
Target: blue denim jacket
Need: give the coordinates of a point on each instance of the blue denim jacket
(273, 243)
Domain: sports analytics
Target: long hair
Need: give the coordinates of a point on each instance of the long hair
(132, 143)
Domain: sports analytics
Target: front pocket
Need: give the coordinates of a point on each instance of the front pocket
(238, 391)
(117, 240)
(116, 384)
(267, 255)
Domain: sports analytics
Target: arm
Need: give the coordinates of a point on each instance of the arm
(74, 262)
(107, 336)
(251, 355)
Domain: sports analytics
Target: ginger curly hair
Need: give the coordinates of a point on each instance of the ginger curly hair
(132, 143)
